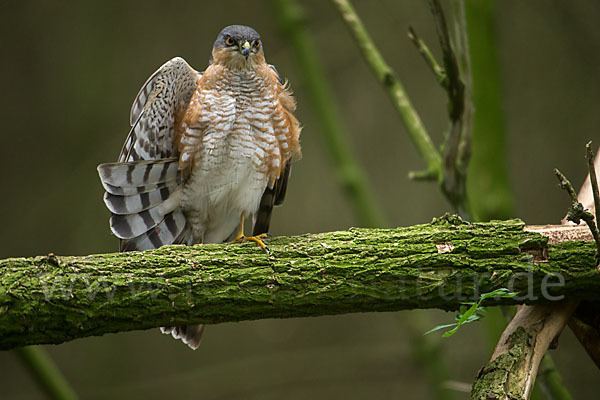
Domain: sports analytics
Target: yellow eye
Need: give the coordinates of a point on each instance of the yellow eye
(229, 41)
(257, 43)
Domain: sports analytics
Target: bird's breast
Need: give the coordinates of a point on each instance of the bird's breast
(235, 122)
(235, 145)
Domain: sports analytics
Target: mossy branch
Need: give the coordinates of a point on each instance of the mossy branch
(53, 299)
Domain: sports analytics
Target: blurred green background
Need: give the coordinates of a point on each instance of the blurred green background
(70, 72)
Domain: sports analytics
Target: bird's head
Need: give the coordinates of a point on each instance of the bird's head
(238, 47)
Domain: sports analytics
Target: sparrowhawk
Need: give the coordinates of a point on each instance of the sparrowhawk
(205, 150)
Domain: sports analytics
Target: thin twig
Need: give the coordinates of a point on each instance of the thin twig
(577, 212)
(437, 70)
(393, 87)
(455, 84)
(566, 185)
(457, 145)
(460, 44)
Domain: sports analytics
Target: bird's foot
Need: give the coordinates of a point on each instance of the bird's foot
(258, 239)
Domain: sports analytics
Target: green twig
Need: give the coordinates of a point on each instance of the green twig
(291, 20)
(550, 380)
(47, 374)
(488, 183)
(393, 87)
(437, 70)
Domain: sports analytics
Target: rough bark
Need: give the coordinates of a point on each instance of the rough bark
(512, 369)
(53, 299)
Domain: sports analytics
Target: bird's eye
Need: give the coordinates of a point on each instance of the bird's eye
(257, 43)
(229, 41)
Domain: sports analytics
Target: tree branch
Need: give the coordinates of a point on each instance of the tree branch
(393, 87)
(511, 371)
(457, 149)
(53, 299)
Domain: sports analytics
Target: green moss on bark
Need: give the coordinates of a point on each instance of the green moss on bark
(504, 377)
(440, 265)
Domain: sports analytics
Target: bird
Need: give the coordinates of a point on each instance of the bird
(205, 151)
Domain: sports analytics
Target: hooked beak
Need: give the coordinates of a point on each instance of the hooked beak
(245, 49)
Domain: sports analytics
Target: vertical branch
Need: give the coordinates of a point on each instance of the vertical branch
(47, 374)
(455, 48)
(488, 185)
(349, 173)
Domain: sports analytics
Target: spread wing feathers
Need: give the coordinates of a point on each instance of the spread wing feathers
(144, 198)
(165, 95)
(143, 189)
(128, 178)
(271, 197)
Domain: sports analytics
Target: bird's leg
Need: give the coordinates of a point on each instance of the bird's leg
(240, 235)
(256, 239)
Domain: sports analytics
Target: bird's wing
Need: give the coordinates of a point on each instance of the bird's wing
(271, 197)
(164, 96)
(279, 78)
(142, 187)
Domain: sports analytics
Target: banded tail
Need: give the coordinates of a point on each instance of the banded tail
(143, 197)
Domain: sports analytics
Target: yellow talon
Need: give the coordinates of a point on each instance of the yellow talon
(256, 239)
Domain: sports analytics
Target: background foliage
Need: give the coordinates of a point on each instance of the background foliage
(71, 71)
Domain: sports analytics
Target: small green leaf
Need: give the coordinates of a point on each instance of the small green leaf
(451, 332)
(472, 311)
(437, 328)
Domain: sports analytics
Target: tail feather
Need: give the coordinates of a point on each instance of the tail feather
(144, 199)
(132, 174)
(129, 226)
(132, 191)
(171, 230)
(189, 334)
(132, 178)
(139, 202)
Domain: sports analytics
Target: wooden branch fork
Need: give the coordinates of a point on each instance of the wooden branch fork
(53, 299)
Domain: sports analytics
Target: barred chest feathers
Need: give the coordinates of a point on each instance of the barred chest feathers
(233, 138)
